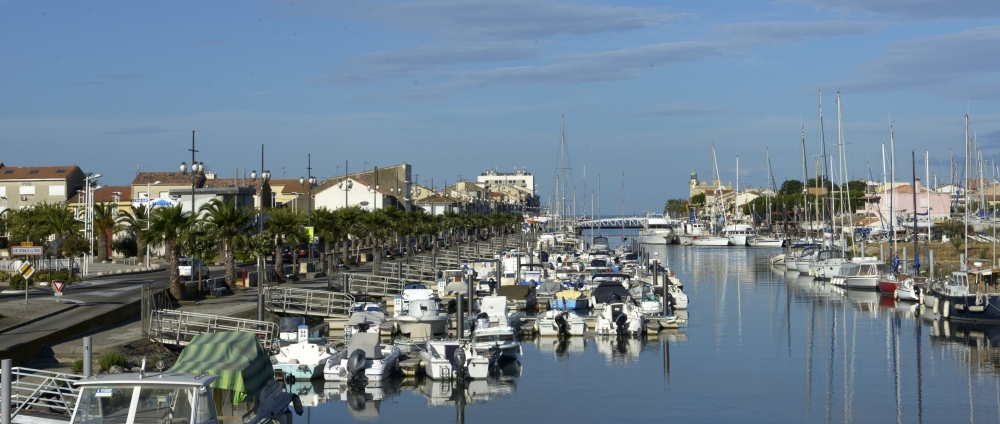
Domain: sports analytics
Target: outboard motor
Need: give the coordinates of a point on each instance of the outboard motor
(363, 327)
(493, 286)
(562, 326)
(356, 364)
(458, 362)
(621, 325)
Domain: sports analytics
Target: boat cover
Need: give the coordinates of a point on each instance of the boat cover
(237, 357)
(370, 343)
(549, 287)
(366, 317)
(603, 292)
(569, 295)
(514, 292)
(456, 287)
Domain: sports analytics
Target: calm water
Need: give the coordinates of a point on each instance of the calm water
(760, 346)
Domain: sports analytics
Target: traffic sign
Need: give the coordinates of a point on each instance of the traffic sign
(26, 270)
(26, 250)
(58, 285)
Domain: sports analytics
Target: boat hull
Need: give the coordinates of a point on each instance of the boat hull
(569, 304)
(887, 286)
(709, 241)
(967, 308)
(439, 324)
(301, 371)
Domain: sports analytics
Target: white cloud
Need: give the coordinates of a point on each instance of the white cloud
(919, 9)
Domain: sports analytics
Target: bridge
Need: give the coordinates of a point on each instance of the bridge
(320, 303)
(626, 222)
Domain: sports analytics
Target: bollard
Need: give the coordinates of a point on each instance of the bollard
(5, 370)
(931, 258)
(88, 356)
(468, 287)
(460, 324)
(347, 284)
(881, 252)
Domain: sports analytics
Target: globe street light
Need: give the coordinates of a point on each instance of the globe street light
(311, 181)
(265, 176)
(149, 209)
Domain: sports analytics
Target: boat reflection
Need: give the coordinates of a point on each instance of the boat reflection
(562, 347)
(310, 392)
(363, 401)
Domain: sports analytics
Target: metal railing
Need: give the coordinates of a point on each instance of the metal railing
(320, 303)
(41, 264)
(373, 285)
(42, 391)
(179, 328)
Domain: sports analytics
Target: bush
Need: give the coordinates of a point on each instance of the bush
(17, 282)
(78, 366)
(111, 359)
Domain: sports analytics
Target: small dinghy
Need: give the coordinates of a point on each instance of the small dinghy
(364, 359)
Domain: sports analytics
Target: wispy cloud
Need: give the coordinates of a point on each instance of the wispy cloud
(786, 31)
(680, 110)
(122, 77)
(918, 9)
(137, 130)
(955, 64)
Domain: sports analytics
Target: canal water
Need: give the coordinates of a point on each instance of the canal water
(760, 345)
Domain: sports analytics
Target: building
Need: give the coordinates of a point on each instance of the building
(899, 200)
(696, 187)
(22, 187)
(492, 179)
(361, 193)
(244, 196)
(438, 205)
(394, 180)
(121, 196)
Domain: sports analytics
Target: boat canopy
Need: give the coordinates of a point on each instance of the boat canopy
(369, 343)
(605, 291)
(549, 287)
(237, 358)
(517, 292)
(366, 317)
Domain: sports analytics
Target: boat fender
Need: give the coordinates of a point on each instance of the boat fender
(946, 312)
(297, 404)
(934, 309)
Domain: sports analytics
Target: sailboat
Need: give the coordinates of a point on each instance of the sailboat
(767, 241)
(709, 239)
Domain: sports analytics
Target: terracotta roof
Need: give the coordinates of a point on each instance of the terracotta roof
(231, 182)
(37, 172)
(173, 178)
(107, 194)
(292, 186)
(437, 198)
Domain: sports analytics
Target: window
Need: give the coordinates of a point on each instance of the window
(27, 190)
(9, 171)
(57, 190)
(60, 171)
(33, 171)
(3, 190)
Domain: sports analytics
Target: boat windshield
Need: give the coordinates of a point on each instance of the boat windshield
(487, 338)
(112, 404)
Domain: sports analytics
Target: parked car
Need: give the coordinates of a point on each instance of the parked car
(191, 272)
(286, 255)
(304, 251)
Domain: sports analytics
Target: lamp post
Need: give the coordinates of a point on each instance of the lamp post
(309, 181)
(149, 210)
(196, 168)
(374, 189)
(89, 220)
(4, 210)
(346, 184)
(265, 176)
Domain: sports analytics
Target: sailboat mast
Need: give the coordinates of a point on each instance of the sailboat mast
(805, 178)
(736, 199)
(966, 192)
(892, 188)
(770, 185)
(916, 253)
(826, 170)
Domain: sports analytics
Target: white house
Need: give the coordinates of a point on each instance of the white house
(353, 192)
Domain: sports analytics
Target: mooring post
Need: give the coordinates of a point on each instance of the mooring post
(931, 258)
(5, 370)
(88, 356)
(460, 324)
(347, 283)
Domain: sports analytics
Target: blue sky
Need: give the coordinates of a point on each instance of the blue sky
(455, 87)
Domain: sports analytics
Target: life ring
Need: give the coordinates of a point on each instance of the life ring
(946, 311)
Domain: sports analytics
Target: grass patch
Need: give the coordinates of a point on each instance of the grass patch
(78, 366)
(111, 359)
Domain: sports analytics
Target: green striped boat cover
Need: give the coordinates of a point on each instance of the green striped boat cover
(237, 357)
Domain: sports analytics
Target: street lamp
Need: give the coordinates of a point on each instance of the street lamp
(196, 168)
(5, 221)
(311, 181)
(374, 189)
(265, 176)
(89, 180)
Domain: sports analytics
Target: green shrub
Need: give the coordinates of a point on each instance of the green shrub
(110, 359)
(17, 282)
(4, 276)
(78, 366)
(126, 246)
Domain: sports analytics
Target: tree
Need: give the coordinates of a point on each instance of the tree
(135, 221)
(59, 222)
(350, 218)
(698, 199)
(104, 222)
(285, 226)
(375, 225)
(200, 243)
(675, 206)
(857, 185)
(167, 226)
(791, 187)
(228, 222)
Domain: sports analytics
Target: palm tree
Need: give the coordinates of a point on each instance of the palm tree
(104, 221)
(350, 218)
(60, 222)
(284, 226)
(228, 222)
(374, 225)
(168, 225)
(135, 221)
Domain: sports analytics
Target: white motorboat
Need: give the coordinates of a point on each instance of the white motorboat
(763, 241)
(860, 275)
(658, 230)
(495, 342)
(449, 359)
(738, 234)
(418, 305)
(651, 303)
(498, 314)
(908, 290)
(692, 230)
(621, 318)
(303, 360)
(708, 240)
(363, 357)
(680, 299)
(560, 323)
(606, 292)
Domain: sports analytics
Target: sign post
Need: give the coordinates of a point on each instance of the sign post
(58, 286)
(26, 271)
